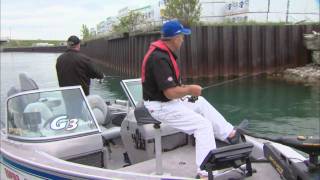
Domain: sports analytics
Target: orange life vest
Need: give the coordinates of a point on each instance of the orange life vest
(161, 45)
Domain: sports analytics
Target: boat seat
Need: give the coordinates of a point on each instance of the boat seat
(27, 84)
(41, 108)
(102, 115)
(18, 106)
(13, 90)
(143, 117)
(35, 116)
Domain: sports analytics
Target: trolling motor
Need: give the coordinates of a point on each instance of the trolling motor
(307, 144)
(288, 169)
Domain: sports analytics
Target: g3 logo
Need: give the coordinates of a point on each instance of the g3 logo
(62, 122)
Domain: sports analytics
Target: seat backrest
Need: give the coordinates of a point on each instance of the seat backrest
(27, 83)
(13, 90)
(18, 105)
(99, 109)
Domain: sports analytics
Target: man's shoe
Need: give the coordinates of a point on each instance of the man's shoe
(235, 139)
(203, 175)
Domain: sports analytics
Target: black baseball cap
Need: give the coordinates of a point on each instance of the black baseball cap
(73, 40)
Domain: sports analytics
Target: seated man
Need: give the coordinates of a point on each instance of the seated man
(165, 97)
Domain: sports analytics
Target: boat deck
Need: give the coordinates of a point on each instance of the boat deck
(181, 162)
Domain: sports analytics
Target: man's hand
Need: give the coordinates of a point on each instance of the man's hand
(181, 91)
(195, 90)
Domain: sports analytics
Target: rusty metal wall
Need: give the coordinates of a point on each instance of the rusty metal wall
(213, 51)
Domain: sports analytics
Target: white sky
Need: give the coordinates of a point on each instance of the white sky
(57, 19)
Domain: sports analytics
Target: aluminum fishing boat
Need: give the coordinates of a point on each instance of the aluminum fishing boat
(62, 134)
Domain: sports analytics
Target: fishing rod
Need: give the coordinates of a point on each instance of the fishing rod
(231, 80)
(194, 98)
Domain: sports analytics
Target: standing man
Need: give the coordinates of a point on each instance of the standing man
(74, 68)
(167, 99)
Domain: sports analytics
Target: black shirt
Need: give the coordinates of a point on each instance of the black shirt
(159, 75)
(74, 68)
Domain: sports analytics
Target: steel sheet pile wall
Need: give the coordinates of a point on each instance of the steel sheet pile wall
(214, 51)
(98, 50)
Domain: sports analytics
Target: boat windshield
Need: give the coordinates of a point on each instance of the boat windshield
(133, 89)
(49, 114)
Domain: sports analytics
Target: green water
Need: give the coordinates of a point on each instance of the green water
(273, 107)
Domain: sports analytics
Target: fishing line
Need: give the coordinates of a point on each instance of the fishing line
(194, 98)
(231, 80)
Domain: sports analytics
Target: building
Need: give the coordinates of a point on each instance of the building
(123, 12)
(93, 32)
(101, 27)
(212, 10)
(106, 25)
(272, 10)
(110, 21)
(150, 15)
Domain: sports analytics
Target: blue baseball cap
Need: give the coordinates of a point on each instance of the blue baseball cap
(173, 28)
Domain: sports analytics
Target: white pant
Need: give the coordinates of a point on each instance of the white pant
(199, 118)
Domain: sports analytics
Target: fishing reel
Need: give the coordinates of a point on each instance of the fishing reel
(192, 99)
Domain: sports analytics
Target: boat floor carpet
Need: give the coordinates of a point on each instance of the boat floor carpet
(181, 162)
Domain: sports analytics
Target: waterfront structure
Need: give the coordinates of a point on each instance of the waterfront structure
(289, 11)
(102, 27)
(42, 44)
(212, 10)
(2, 41)
(93, 32)
(106, 25)
(216, 11)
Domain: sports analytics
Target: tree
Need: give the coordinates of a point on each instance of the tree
(85, 32)
(128, 23)
(186, 11)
